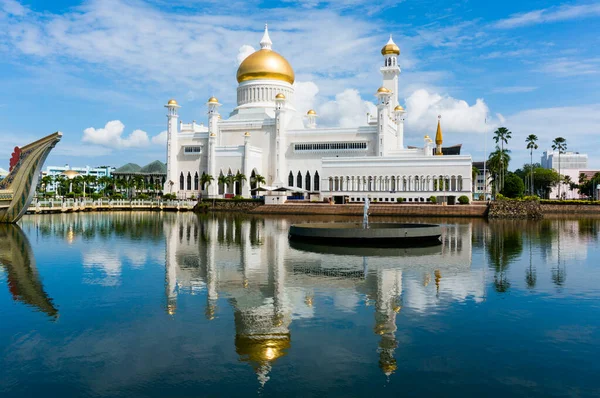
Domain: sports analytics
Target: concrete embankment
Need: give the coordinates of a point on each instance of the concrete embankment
(568, 209)
(375, 210)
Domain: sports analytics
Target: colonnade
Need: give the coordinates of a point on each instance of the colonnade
(410, 183)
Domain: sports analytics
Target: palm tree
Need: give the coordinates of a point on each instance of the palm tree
(230, 180)
(531, 141)
(88, 180)
(258, 179)
(138, 183)
(46, 181)
(240, 178)
(206, 180)
(502, 135)
(559, 144)
(222, 180)
(474, 173)
(60, 181)
(105, 181)
(497, 164)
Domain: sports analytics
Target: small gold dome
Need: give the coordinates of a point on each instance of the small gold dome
(390, 48)
(311, 112)
(265, 64)
(398, 108)
(172, 102)
(382, 90)
(280, 96)
(213, 100)
(213, 135)
(427, 137)
(246, 134)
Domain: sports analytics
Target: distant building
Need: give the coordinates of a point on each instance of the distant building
(568, 164)
(481, 190)
(154, 174)
(53, 171)
(3, 173)
(589, 175)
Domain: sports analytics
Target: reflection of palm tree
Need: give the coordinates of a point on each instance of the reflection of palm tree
(530, 275)
(505, 247)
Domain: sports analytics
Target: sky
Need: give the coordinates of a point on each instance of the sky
(100, 71)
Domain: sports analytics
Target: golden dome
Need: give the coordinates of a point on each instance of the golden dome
(246, 134)
(382, 90)
(398, 108)
(213, 135)
(280, 96)
(172, 102)
(213, 100)
(265, 64)
(390, 48)
(311, 112)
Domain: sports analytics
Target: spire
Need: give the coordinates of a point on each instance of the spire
(438, 137)
(265, 42)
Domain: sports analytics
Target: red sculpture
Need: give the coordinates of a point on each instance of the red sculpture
(14, 159)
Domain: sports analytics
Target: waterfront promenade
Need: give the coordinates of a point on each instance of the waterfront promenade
(68, 206)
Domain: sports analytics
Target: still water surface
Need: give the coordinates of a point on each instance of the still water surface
(157, 305)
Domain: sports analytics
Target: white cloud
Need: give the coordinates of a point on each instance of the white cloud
(160, 139)
(458, 116)
(112, 136)
(244, 52)
(571, 67)
(13, 7)
(548, 15)
(305, 94)
(347, 110)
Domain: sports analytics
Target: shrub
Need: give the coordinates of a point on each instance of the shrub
(513, 186)
(168, 196)
(463, 200)
(142, 196)
(400, 200)
(499, 196)
(70, 195)
(531, 198)
(95, 196)
(238, 197)
(117, 195)
(433, 199)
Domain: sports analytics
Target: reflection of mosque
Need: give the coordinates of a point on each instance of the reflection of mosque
(268, 284)
(24, 283)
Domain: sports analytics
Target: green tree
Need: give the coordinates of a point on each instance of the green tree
(230, 180)
(206, 180)
(545, 180)
(531, 141)
(502, 135)
(239, 178)
(513, 186)
(46, 182)
(474, 173)
(559, 144)
(258, 179)
(105, 182)
(497, 164)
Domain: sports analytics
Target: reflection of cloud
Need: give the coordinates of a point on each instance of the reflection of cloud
(573, 334)
(107, 262)
(137, 258)
(345, 300)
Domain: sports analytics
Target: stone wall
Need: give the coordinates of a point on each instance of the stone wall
(570, 209)
(515, 209)
(376, 210)
(227, 205)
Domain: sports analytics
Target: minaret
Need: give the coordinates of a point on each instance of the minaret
(383, 113)
(438, 138)
(312, 119)
(280, 141)
(399, 114)
(213, 129)
(172, 182)
(390, 70)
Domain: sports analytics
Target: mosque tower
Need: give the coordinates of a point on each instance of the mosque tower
(390, 70)
(172, 182)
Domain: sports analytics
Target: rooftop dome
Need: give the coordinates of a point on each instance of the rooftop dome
(390, 48)
(265, 64)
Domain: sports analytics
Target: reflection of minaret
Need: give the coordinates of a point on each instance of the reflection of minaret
(262, 323)
(171, 238)
(387, 305)
(23, 280)
(211, 272)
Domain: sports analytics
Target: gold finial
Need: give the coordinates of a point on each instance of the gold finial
(213, 100)
(438, 137)
(246, 134)
(398, 108)
(172, 102)
(280, 96)
(311, 112)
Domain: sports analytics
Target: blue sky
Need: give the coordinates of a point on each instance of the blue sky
(75, 66)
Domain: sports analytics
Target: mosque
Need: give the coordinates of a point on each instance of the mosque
(270, 142)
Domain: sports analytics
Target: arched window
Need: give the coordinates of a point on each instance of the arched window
(291, 179)
(307, 180)
(189, 182)
(253, 180)
(196, 181)
(181, 187)
(316, 185)
(221, 184)
(299, 180)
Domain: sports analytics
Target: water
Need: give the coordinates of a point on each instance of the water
(151, 305)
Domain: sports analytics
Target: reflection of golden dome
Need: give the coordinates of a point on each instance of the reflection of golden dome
(389, 367)
(280, 96)
(398, 108)
(390, 48)
(213, 100)
(311, 112)
(172, 102)
(262, 348)
(171, 309)
(265, 64)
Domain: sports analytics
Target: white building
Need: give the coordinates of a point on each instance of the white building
(482, 187)
(266, 135)
(569, 164)
(101, 171)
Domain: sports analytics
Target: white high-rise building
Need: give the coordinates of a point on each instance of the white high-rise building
(266, 135)
(568, 164)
